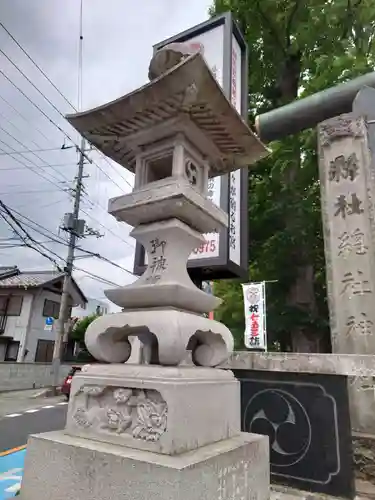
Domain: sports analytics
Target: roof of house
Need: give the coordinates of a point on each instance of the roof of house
(8, 271)
(12, 277)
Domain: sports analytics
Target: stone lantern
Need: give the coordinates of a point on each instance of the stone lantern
(173, 133)
(170, 426)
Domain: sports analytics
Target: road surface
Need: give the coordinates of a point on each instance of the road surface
(16, 427)
(21, 416)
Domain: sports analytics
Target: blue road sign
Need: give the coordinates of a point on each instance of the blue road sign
(50, 320)
(11, 470)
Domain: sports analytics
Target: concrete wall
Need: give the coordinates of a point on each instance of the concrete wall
(20, 376)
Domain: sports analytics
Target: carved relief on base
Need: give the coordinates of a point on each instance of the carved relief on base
(139, 413)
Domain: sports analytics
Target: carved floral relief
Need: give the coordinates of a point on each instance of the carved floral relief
(139, 413)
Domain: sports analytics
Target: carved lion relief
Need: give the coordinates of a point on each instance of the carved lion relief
(140, 413)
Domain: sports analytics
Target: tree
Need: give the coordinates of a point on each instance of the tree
(296, 48)
(78, 335)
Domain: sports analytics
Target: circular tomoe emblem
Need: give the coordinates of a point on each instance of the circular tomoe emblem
(253, 295)
(280, 416)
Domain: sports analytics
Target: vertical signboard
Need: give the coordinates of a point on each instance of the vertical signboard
(224, 254)
(254, 297)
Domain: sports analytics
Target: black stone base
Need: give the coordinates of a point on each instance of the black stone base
(306, 417)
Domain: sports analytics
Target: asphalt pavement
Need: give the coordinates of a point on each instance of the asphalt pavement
(19, 421)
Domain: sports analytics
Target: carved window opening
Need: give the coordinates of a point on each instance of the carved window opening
(159, 168)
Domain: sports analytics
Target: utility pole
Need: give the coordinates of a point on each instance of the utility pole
(74, 233)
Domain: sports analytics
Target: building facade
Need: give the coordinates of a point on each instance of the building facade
(27, 299)
(93, 306)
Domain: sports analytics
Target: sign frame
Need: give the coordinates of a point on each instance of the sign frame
(220, 267)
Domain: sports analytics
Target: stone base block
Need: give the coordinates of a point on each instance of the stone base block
(60, 467)
(160, 409)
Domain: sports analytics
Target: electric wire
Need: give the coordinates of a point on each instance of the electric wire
(59, 91)
(27, 244)
(55, 237)
(51, 121)
(18, 224)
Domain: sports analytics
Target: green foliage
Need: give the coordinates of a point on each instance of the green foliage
(296, 48)
(79, 330)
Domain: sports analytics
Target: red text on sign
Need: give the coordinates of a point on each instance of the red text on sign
(209, 246)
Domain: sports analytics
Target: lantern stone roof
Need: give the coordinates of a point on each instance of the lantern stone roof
(186, 99)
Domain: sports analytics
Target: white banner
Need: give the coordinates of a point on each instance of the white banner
(254, 295)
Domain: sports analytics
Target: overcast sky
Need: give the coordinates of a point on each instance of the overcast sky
(117, 47)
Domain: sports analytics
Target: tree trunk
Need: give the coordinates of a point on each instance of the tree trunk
(301, 294)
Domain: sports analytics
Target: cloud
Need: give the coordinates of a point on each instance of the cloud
(117, 47)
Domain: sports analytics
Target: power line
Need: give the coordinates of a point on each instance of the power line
(30, 151)
(28, 244)
(80, 64)
(63, 242)
(105, 227)
(18, 223)
(99, 278)
(86, 213)
(50, 165)
(53, 183)
(58, 126)
(33, 150)
(28, 192)
(35, 64)
(24, 118)
(30, 167)
(38, 108)
(31, 83)
(51, 104)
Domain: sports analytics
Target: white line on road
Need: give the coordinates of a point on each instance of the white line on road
(34, 410)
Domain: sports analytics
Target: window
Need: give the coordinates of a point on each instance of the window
(10, 305)
(51, 309)
(12, 351)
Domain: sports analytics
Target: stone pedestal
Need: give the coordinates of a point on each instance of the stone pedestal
(61, 467)
(160, 409)
(154, 432)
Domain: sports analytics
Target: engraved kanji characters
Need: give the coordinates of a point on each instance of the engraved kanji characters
(355, 284)
(359, 325)
(344, 207)
(352, 243)
(156, 243)
(341, 167)
(159, 262)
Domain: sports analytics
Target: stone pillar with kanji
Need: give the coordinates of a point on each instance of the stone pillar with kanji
(347, 189)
